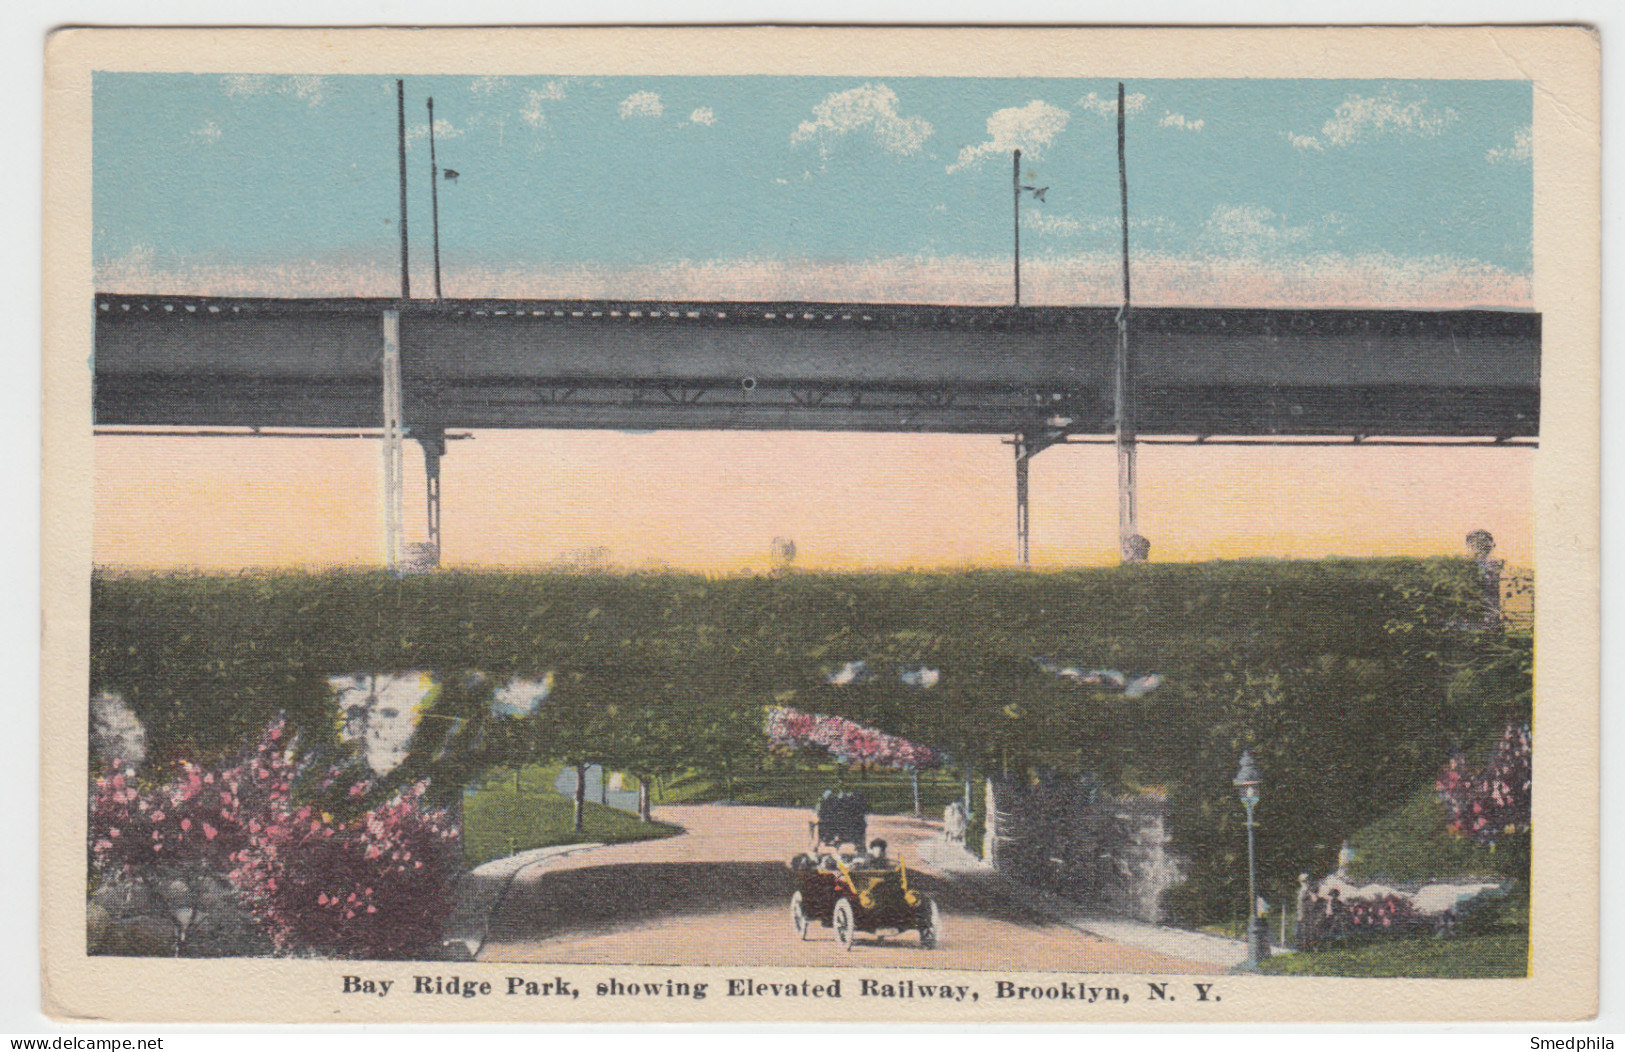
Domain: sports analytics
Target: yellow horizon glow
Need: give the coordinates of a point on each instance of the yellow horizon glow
(713, 502)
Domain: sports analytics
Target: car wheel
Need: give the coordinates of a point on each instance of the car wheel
(930, 925)
(798, 915)
(846, 925)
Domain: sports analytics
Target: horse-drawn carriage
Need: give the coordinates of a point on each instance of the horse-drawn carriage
(860, 894)
(843, 818)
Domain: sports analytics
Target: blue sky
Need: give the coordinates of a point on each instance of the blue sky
(216, 183)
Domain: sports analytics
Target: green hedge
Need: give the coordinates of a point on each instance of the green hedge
(1338, 674)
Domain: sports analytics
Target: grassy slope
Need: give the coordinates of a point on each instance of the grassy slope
(1498, 956)
(1413, 843)
(889, 792)
(497, 820)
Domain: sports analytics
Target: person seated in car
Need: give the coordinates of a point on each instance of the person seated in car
(875, 857)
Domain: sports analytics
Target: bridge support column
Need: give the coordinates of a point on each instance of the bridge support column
(1131, 546)
(433, 441)
(393, 484)
(1024, 452)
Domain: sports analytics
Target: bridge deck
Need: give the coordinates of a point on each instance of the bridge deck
(200, 361)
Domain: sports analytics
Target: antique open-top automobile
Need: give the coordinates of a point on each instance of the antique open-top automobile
(860, 895)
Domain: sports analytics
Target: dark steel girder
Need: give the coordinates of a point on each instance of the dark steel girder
(209, 362)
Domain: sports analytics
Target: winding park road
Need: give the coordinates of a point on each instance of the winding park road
(719, 894)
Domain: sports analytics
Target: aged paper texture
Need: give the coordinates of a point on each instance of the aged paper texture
(878, 525)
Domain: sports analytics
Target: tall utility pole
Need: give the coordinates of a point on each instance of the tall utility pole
(1129, 543)
(390, 366)
(1015, 185)
(400, 120)
(434, 199)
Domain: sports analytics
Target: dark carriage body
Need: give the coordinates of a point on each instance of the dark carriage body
(873, 898)
(842, 819)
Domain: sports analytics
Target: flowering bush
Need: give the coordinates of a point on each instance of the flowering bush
(846, 741)
(198, 818)
(375, 886)
(1492, 802)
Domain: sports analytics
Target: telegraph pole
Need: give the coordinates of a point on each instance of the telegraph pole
(1015, 184)
(400, 120)
(434, 199)
(1129, 543)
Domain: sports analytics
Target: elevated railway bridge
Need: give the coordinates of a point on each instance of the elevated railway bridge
(417, 370)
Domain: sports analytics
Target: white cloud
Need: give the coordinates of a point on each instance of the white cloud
(703, 115)
(1306, 277)
(487, 85)
(443, 129)
(307, 89)
(1045, 223)
(209, 130)
(1071, 224)
(1179, 120)
(1107, 106)
(1361, 117)
(1304, 143)
(1522, 148)
(1028, 128)
(1242, 231)
(531, 113)
(642, 104)
(871, 108)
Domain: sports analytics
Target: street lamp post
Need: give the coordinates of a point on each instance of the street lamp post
(1246, 782)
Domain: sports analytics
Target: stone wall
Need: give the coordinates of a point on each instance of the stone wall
(143, 918)
(1106, 853)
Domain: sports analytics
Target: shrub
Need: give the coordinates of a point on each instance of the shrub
(1492, 802)
(380, 886)
(377, 885)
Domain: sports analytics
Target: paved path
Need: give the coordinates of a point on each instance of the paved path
(1177, 942)
(719, 895)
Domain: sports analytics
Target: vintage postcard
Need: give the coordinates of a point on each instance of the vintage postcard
(863, 525)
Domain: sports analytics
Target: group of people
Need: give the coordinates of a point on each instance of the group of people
(832, 861)
(1327, 918)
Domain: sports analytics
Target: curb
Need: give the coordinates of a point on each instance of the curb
(480, 892)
